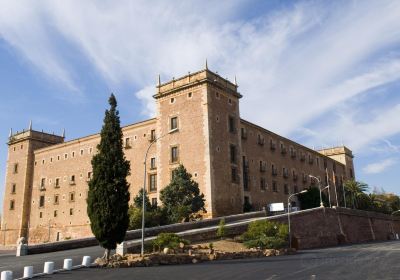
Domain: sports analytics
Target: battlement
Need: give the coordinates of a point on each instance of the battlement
(336, 151)
(34, 135)
(191, 79)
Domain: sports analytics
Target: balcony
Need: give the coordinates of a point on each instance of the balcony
(274, 172)
(72, 183)
(263, 167)
(272, 146)
(293, 154)
(283, 150)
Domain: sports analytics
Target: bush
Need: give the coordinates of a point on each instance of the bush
(153, 218)
(168, 240)
(221, 231)
(266, 235)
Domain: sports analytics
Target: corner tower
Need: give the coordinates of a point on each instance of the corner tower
(344, 155)
(203, 110)
(19, 180)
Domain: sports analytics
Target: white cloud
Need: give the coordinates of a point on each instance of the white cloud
(308, 58)
(379, 167)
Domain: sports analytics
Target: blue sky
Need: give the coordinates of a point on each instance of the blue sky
(334, 66)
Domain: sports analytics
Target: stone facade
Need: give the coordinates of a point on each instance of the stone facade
(197, 124)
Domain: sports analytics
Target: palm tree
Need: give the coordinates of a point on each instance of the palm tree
(355, 190)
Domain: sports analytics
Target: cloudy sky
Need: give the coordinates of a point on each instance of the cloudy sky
(320, 72)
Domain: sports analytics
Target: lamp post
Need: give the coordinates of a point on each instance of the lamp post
(391, 215)
(288, 216)
(144, 184)
(320, 191)
(329, 194)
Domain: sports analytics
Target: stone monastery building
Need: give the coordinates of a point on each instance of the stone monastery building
(232, 159)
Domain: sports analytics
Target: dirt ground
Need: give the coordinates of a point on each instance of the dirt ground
(226, 245)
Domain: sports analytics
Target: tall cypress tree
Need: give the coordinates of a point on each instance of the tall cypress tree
(107, 203)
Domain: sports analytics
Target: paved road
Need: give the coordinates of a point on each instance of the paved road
(363, 261)
(8, 261)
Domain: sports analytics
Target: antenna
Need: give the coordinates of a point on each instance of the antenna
(206, 64)
(159, 80)
(63, 134)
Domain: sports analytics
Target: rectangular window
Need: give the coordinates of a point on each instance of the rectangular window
(127, 143)
(41, 201)
(153, 182)
(153, 163)
(233, 153)
(89, 175)
(231, 123)
(71, 196)
(263, 186)
(286, 189)
(55, 213)
(57, 183)
(72, 180)
(40, 215)
(81, 152)
(16, 168)
(274, 186)
(42, 183)
(174, 123)
(153, 135)
(174, 154)
(13, 188)
(56, 199)
(12, 204)
(154, 202)
(71, 211)
(65, 156)
(234, 176)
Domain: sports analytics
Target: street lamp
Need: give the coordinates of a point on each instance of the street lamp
(320, 191)
(329, 194)
(288, 216)
(394, 212)
(144, 184)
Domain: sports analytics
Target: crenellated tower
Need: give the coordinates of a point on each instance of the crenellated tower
(19, 180)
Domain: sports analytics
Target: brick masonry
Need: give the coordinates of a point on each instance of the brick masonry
(232, 159)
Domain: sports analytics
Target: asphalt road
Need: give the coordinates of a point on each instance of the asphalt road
(363, 261)
(8, 260)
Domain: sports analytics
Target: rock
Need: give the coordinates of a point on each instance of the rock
(166, 250)
(190, 252)
(195, 261)
(181, 245)
(269, 252)
(100, 262)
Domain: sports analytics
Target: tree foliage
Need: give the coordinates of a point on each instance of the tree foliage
(181, 198)
(108, 197)
(154, 216)
(311, 198)
(266, 235)
(168, 240)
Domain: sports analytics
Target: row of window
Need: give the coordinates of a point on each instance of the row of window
(292, 151)
(57, 181)
(56, 199)
(66, 155)
(55, 213)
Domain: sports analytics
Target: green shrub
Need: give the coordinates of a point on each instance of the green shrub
(266, 234)
(168, 240)
(221, 231)
(154, 217)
